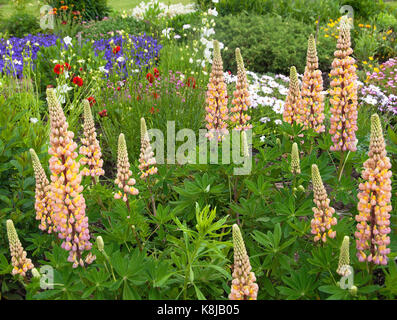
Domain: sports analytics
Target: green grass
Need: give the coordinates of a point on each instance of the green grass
(392, 4)
(7, 7)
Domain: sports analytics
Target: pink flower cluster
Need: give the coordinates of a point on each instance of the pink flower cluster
(323, 219)
(123, 179)
(68, 203)
(147, 162)
(241, 99)
(217, 111)
(374, 204)
(43, 204)
(90, 149)
(312, 114)
(244, 286)
(344, 94)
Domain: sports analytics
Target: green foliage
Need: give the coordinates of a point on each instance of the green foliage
(278, 53)
(90, 9)
(20, 24)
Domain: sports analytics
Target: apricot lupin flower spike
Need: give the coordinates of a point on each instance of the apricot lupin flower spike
(374, 203)
(43, 204)
(241, 99)
(344, 93)
(147, 161)
(20, 263)
(66, 189)
(295, 163)
(216, 99)
(311, 115)
(124, 180)
(323, 219)
(90, 149)
(344, 258)
(293, 103)
(243, 283)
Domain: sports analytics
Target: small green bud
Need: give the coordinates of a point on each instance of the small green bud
(100, 244)
(301, 188)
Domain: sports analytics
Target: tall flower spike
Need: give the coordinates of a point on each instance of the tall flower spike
(216, 100)
(295, 163)
(43, 204)
(19, 261)
(293, 103)
(344, 93)
(90, 149)
(66, 189)
(311, 115)
(243, 284)
(374, 203)
(147, 162)
(344, 258)
(241, 99)
(124, 180)
(323, 214)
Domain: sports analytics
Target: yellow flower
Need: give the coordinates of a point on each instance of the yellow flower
(384, 38)
(364, 62)
(368, 26)
(361, 25)
(326, 36)
(376, 70)
(371, 58)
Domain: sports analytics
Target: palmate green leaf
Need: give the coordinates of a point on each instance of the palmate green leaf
(336, 293)
(129, 293)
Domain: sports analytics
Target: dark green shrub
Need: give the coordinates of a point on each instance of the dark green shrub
(102, 29)
(20, 24)
(269, 43)
(90, 9)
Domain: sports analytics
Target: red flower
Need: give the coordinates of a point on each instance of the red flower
(191, 82)
(229, 72)
(103, 113)
(156, 72)
(81, 69)
(150, 77)
(116, 49)
(58, 69)
(118, 88)
(64, 22)
(91, 100)
(67, 66)
(78, 81)
(155, 95)
(153, 110)
(138, 98)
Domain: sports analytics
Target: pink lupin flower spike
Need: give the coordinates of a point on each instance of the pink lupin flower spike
(66, 189)
(147, 161)
(374, 204)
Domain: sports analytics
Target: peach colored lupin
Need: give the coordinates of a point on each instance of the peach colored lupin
(90, 149)
(123, 179)
(323, 219)
(311, 115)
(66, 191)
(147, 161)
(241, 100)
(344, 93)
(20, 263)
(244, 286)
(216, 100)
(293, 103)
(43, 204)
(374, 203)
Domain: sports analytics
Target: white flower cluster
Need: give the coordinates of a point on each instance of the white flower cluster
(140, 11)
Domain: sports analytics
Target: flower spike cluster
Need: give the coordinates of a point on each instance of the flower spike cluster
(344, 93)
(311, 114)
(295, 163)
(374, 203)
(241, 99)
(147, 161)
(124, 180)
(293, 103)
(43, 204)
(344, 258)
(323, 219)
(19, 261)
(216, 100)
(90, 149)
(243, 284)
(66, 189)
